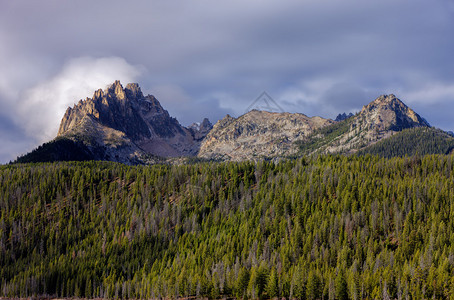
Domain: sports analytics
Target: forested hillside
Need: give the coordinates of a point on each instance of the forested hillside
(58, 150)
(420, 140)
(321, 227)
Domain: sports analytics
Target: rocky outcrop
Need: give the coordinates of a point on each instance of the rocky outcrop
(123, 118)
(257, 135)
(377, 120)
(200, 130)
(343, 116)
(111, 108)
(381, 118)
(260, 134)
(387, 112)
(121, 124)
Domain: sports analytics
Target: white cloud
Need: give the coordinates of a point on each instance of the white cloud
(325, 97)
(186, 109)
(431, 93)
(41, 107)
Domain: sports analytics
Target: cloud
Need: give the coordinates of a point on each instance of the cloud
(30, 116)
(11, 135)
(41, 107)
(315, 57)
(431, 93)
(325, 97)
(433, 100)
(186, 109)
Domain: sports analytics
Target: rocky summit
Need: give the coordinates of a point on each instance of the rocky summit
(121, 124)
(258, 134)
(129, 125)
(380, 119)
(261, 134)
(387, 112)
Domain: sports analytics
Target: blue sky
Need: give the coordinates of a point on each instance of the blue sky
(208, 58)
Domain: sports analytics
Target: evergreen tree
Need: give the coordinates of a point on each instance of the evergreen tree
(341, 286)
(272, 288)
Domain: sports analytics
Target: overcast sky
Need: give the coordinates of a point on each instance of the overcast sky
(205, 58)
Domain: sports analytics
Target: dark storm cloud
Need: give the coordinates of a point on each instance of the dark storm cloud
(11, 136)
(207, 58)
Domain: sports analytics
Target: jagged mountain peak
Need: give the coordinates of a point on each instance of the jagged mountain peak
(380, 119)
(133, 90)
(206, 124)
(387, 98)
(120, 123)
(388, 112)
(343, 116)
(390, 101)
(125, 109)
(112, 108)
(117, 89)
(200, 130)
(142, 120)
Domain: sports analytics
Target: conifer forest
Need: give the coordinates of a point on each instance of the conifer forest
(321, 227)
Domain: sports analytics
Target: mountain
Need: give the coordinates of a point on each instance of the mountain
(121, 124)
(200, 130)
(123, 117)
(258, 134)
(378, 120)
(343, 116)
(412, 141)
(388, 113)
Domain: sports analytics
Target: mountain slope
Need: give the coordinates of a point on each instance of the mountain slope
(378, 120)
(119, 117)
(93, 230)
(257, 135)
(121, 124)
(60, 149)
(420, 140)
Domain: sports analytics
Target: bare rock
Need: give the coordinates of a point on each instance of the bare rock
(200, 130)
(377, 120)
(125, 115)
(257, 135)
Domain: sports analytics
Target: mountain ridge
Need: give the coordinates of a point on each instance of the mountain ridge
(380, 119)
(258, 134)
(121, 124)
(125, 118)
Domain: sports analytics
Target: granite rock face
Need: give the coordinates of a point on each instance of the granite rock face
(257, 135)
(121, 124)
(343, 116)
(377, 120)
(123, 118)
(200, 130)
(387, 112)
(111, 108)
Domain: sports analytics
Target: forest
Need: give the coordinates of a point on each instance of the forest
(412, 141)
(320, 227)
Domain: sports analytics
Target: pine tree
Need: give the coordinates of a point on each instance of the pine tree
(272, 287)
(313, 289)
(341, 286)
